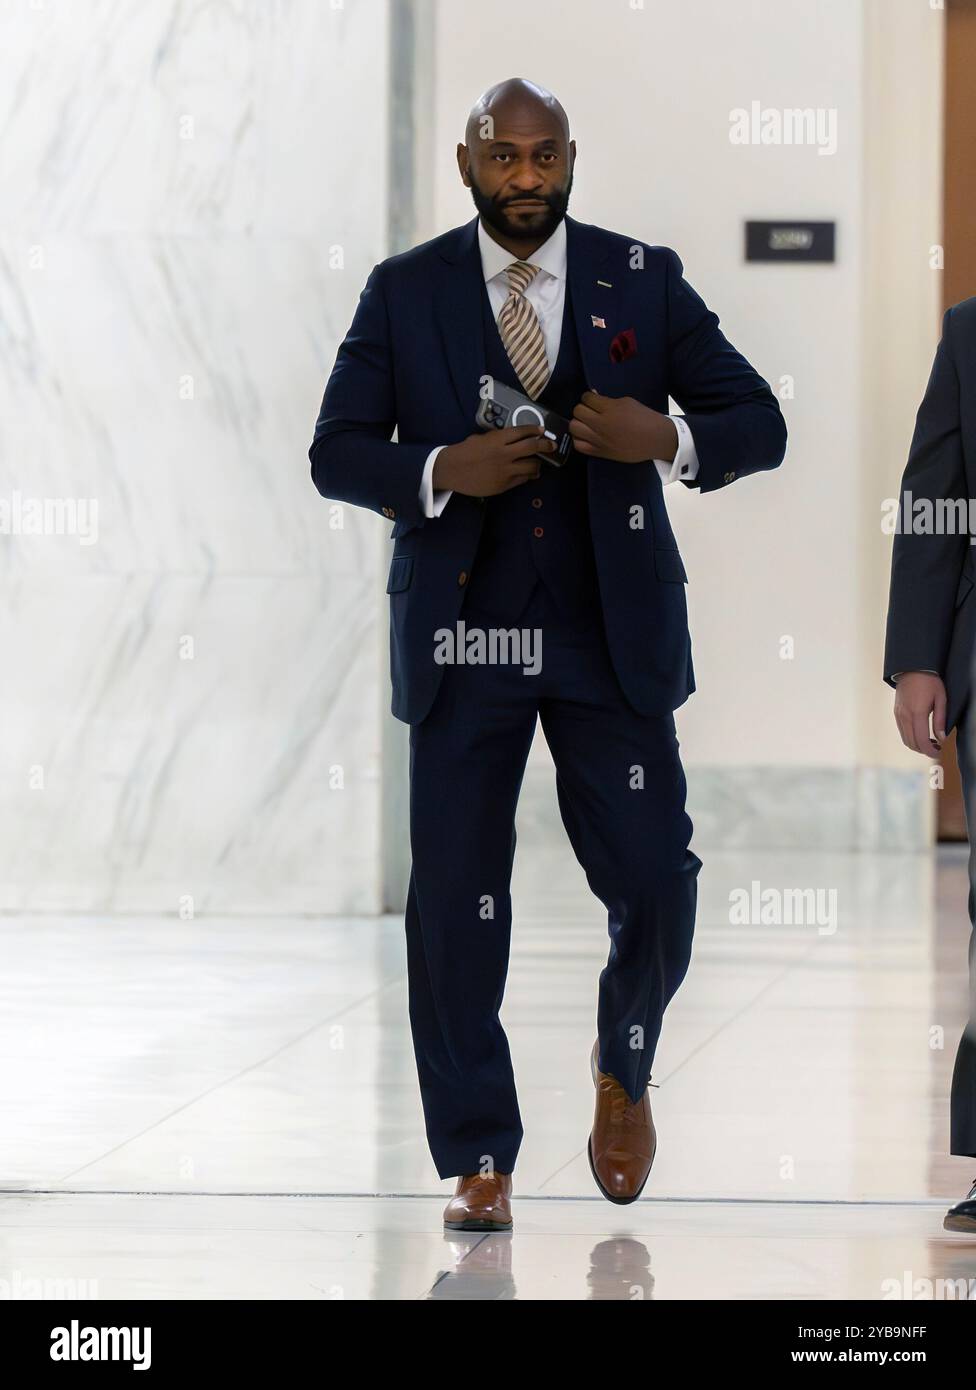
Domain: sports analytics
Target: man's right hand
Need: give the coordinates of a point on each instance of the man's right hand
(919, 694)
(485, 464)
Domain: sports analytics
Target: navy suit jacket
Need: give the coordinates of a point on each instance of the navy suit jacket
(931, 617)
(413, 361)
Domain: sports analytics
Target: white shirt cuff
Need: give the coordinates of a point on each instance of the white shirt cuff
(684, 465)
(433, 503)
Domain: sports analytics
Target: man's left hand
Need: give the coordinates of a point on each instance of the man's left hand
(620, 428)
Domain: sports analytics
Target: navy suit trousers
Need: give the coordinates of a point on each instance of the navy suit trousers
(621, 793)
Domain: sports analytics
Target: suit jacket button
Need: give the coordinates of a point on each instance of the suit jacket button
(462, 578)
(537, 531)
(537, 501)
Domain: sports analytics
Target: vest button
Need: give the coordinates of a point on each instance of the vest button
(537, 501)
(462, 578)
(537, 531)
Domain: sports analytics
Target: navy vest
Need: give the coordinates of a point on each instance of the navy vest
(538, 532)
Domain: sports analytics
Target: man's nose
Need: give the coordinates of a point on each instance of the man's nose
(526, 179)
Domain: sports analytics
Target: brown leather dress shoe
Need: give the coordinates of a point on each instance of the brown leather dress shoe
(481, 1202)
(623, 1141)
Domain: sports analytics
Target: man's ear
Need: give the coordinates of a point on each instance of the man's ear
(572, 155)
(462, 163)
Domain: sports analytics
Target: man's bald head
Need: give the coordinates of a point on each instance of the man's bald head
(517, 159)
(519, 101)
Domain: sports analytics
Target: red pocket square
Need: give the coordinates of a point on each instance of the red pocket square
(623, 346)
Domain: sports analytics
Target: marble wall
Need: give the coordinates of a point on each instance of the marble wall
(193, 684)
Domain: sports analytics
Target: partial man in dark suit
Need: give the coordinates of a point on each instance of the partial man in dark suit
(579, 559)
(932, 631)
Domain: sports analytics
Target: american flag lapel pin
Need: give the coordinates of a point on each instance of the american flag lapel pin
(598, 322)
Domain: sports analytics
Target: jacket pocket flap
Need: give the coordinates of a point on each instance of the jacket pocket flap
(668, 564)
(401, 572)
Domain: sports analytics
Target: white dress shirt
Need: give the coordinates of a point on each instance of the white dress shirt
(547, 294)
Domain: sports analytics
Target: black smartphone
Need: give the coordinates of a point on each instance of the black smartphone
(502, 408)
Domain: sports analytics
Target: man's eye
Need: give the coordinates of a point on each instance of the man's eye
(548, 156)
(502, 156)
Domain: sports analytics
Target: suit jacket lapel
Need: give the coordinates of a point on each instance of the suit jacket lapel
(457, 309)
(610, 486)
(586, 251)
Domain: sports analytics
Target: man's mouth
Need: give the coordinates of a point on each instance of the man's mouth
(525, 203)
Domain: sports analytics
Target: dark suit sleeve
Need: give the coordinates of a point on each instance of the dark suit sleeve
(352, 457)
(733, 416)
(925, 569)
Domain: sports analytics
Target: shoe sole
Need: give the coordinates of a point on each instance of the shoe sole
(960, 1223)
(483, 1226)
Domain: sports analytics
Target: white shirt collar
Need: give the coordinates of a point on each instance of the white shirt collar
(550, 257)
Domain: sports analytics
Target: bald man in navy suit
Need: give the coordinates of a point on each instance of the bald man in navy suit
(599, 329)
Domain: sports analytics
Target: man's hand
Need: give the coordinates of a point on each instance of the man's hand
(485, 464)
(620, 428)
(918, 695)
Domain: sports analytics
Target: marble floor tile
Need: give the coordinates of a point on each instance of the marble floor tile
(229, 1107)
(186, 1247)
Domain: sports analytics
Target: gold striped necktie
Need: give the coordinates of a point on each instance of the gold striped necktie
(521, 332)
